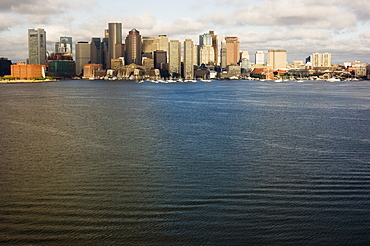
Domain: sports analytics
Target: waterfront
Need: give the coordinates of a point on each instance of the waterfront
(221, 163)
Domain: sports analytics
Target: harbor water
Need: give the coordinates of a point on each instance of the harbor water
(220, 163)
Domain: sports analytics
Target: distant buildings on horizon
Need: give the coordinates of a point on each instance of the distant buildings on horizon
(170, 57)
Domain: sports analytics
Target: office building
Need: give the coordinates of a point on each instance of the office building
(188, 59)
(205, 50)
(5, 66)
(321, 59)
(206, 55)
(259, 57)
(82, 56)
(105, 52)
(64, 45)
(160, 59)
(245, 61)
(277, 59)
(215, 46)
(24, 71)
(115, 37)
(96, 51)
(37, 46)
(149, 46)
(229, 51)
(174, 53)
(133, 48)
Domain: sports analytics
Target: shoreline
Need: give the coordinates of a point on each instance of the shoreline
(26, 81)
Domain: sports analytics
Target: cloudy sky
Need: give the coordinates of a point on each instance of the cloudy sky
(341, 27)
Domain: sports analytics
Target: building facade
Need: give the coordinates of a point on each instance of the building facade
(37, 46)
(321, 59)
(64, 45)
(133, 48)
(174, 48)
(215, 46)
(229, 51)
(277, 59)
(259, 57)
(115, 37)
(82, 56)
(188, 59)
(96, 51)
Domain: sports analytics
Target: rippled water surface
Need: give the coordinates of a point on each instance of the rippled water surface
(221, 163)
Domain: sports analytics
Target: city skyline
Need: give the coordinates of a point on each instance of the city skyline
(302, 28)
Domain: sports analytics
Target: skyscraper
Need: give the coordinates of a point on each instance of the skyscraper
(174, 51)
(321, 59)
(259, 57)
(160, 59)
(206, 55)
(229, 51)
(188, 59)
(277, 59)
(115, 37)
(214, 45)
(64, 45)
(95, 51)
(37, 46)
(133, 47)
(206, 52)
(82, 56)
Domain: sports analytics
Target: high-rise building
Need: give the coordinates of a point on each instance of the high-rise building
(229, 51)
(5, 66)
(149, 46)
(133, 48)
(206, 55)
(321, 59)
(95, 51)
(188, 59)
(115, 37)
(277, 59)
(37, 46)
(174, 51)
(64, 45)
(162, 43)
(160, 59)
(105, 52)
(82, 56)
(259, 57)
(245, 60)
(214, 45)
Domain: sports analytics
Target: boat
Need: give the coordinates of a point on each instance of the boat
(278, 80)
(299, 81)
(333, 80)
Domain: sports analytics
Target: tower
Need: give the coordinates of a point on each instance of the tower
(229, 51)
(64, 45)
(115, 37)
(214, 45)
(133, 47)
(188, 59)
(95, 51)
(277, 59)
(82, 56)
(259, 57)
(174, 48)
(37, 46)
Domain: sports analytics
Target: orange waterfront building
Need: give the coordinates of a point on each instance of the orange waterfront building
(22, 71)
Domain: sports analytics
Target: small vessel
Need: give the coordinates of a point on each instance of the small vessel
(333, 80)
(278, 80)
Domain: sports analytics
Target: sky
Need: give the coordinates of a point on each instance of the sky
(340, 27)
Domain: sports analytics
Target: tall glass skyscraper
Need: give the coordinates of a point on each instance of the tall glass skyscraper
(37, 46)
(115, 37)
